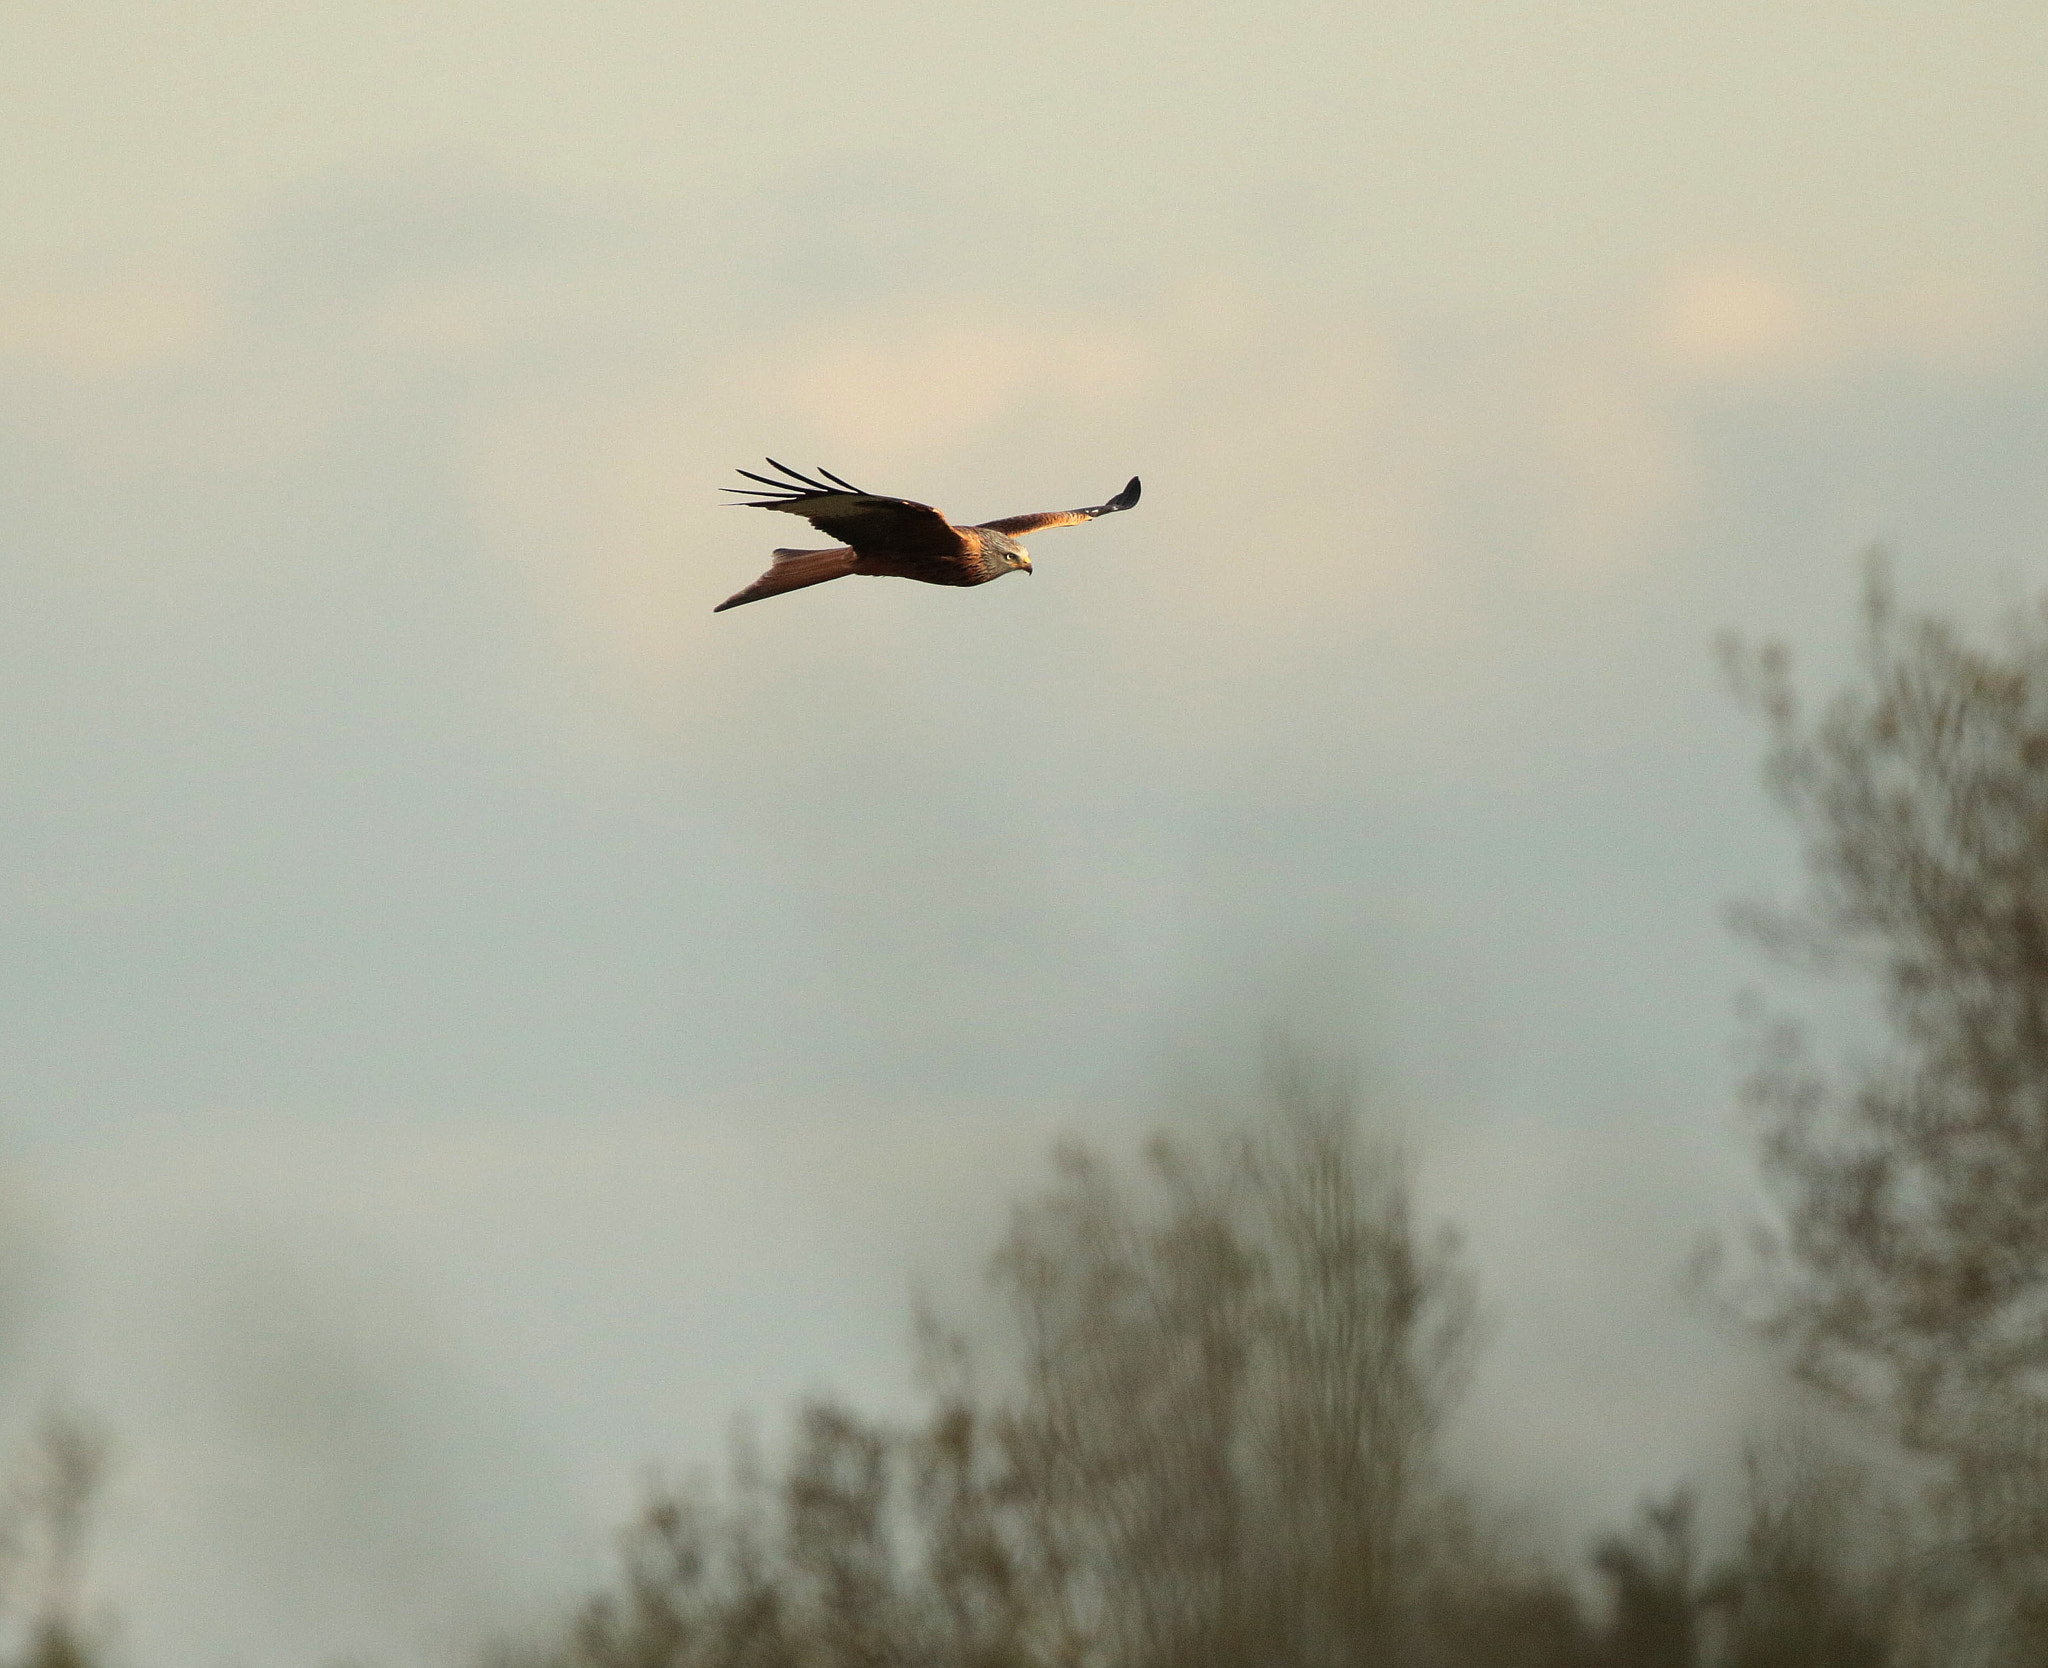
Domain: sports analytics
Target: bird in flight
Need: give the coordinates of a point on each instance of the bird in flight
(891, 535)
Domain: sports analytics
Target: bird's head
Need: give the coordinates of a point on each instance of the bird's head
(1013, 555)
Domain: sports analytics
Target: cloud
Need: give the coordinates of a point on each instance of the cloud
(897, 388)
(107, 324)
(1748, 320)
(1732, 316)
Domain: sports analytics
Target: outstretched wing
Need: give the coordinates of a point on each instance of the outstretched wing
(873, 525)
(1017, 525)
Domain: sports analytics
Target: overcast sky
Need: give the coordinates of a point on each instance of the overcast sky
(474, 1022)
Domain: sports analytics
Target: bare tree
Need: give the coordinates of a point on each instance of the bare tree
(843, 1565)
(1652, 1577)
(1823, 1575)
(1222, 1449)
(1216, 1443)
(984, 1603)
(45, 1515)
(1910, 1278)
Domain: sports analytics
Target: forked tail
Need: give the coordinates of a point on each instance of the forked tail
(792, 570)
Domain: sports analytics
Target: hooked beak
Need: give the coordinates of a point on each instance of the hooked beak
(1024, 562)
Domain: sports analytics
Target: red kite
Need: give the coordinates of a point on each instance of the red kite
(892, 536)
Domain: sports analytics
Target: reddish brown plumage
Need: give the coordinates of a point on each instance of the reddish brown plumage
(894, 537)
(792, 570)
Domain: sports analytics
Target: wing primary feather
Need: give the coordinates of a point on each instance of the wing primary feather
(804, 486)
(808, 484)
(778, 486)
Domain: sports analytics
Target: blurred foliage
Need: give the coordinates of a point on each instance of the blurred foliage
(1216, 1441)
(46, 1508)
(1217, 1433)
(1907, 1272)
(1209, 1430)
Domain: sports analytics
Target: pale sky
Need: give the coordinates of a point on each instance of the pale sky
(476, 1022)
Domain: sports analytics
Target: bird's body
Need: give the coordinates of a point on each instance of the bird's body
(892, 537)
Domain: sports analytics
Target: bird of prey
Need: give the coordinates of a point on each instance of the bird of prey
(891, 535)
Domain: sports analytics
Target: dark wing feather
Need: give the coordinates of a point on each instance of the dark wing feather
(876, 527)
(1018, 525)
